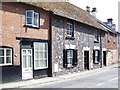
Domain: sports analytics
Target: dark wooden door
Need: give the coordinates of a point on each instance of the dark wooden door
(86, 60)
(104, 58)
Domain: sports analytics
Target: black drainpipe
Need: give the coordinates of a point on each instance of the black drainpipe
(100, 50)
(50, 46)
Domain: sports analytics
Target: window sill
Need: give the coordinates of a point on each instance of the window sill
(1, 65)
(96, 41)
(70, 38)
(70, 66)
(96, 62)
(31, 27)
(40, 68)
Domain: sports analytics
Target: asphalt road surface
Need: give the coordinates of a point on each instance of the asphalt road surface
(106, 79)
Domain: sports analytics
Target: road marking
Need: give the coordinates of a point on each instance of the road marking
(107, 81)
(113, 79)
(100, 84)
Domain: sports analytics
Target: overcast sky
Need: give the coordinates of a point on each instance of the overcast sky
(105, 8)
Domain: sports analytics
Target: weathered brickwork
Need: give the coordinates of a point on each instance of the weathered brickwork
(13, 21)
(84, 37)
(111, 45)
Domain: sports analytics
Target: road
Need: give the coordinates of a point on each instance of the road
(106, 79)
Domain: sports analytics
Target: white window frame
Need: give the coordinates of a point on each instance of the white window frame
(36, 68)
(96, 38)
(70, 31)
(33, 17)
(6, 56)
(70, 57)
(96, 56)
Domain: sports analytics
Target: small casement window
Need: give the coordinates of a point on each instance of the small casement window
(96, 38)
(69, 58)
(5, 56)
(32, 18)
(70, 31)
(96, 56)
(40, 55)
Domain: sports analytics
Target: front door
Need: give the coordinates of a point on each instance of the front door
(104, 58)
(86, 60)
(27, 69)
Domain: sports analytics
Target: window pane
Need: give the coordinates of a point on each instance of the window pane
(68, 53)
(36, 63)
(71, 53)
(70, 61)
(8, 52)
(1, 60)
(24, 62)
(1, 52)
(29, 13)
(36, 18)
(29, 51)
(8, 59)
(29, 21)
(39, 46)
(43, 55)
(24, 51)
(36, 46)
(68, 27)
(36, 55)
(96, 53)
(43, 63)
(29, 61)
(45, 46)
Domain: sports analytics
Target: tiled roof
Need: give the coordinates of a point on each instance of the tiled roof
(108, 28)
(70, 11)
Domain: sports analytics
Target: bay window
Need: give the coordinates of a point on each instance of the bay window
(40, 55)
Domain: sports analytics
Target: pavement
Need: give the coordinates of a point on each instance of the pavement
(46, 80)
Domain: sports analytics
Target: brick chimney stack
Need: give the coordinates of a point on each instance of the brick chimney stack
(110, 22)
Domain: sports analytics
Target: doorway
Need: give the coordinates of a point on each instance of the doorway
(104, 58)
(27, 64)
(86, 60)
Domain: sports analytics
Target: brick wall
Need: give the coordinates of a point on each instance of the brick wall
(13, 21)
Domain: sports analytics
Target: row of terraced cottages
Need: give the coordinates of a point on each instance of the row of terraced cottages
(50, 39)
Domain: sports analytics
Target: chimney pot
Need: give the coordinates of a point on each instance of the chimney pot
(88, 9)
(109, 22)
(94, 10)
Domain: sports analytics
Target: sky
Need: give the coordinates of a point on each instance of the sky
(105, 8)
